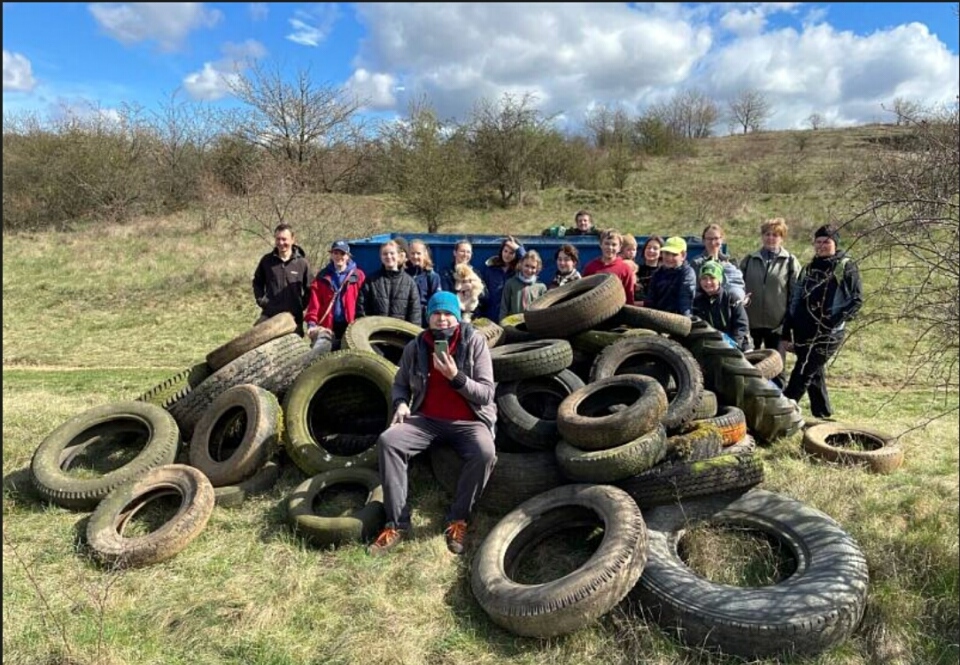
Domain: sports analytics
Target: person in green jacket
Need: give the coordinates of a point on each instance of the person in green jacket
(523, 288)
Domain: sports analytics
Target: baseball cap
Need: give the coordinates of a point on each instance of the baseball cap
(340, 245)
(674, 245)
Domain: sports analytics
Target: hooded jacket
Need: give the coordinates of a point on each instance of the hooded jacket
(725, 314)
(283, 286)
(672, 289)
(474, 381)
(828, 293)
(428, 283)
(322, 291)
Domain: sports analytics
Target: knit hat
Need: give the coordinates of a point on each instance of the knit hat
(674, 245)
(444, 301)
(828, 231)
(713, 269)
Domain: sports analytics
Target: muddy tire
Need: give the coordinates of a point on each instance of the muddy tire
(358, 526)
(676, 481)
(586, 420)
(106, 525)
(117, 425)
(576, 306)
(612, 464)
(817, 606)
(524, 360)
(166, 393)
(830, 441)
(382, 335)
(767, 361)
(274, 327)
(574, 600)
(301, 440)
(527, 409)
(666, 323)
(262, 480)
(210, 451)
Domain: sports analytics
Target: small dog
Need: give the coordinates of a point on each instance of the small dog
(469, 288)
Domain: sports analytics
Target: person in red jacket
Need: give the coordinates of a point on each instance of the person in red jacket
(611, 241)
(333, 295)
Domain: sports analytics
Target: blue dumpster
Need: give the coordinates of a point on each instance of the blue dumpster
(366, 251)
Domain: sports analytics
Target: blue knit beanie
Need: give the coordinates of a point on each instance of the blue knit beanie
(444, 301)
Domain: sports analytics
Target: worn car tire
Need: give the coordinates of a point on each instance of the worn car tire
(303, 444)
(526, 409)
(612, 464)
(52, 458)
(357, 526)
(826, 440)
(523, 360)
(576, 306)
(382, 335)
(274, 327)
(673, 481)
(106, 525)
(166, 393)
(814, 608)
(572, 601)
(261, 436)
(586, 420)
(767, 361)
(264, 478)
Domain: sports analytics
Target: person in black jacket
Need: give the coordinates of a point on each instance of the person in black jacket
(281, 282)
(390, 291)
(420, 266)
(717, 306)
(828, 293)
(674, 284)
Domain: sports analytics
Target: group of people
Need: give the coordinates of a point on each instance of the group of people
(444, 389)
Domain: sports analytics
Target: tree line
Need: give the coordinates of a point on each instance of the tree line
(291, 133)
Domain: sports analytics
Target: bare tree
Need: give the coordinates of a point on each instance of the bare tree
(906, 110)
(749, 109)
(692, 115)
(613, 134)
(302, 121)
(505, 138)
(911, 232)
(428, 164)
(816, 121)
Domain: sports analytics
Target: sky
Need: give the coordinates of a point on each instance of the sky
(846, 62)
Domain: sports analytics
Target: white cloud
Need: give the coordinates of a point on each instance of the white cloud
(217, 78)
(258, 11)
(17, 72)
(168, 24)
(375, 91)
(313, 26)
(576, 56)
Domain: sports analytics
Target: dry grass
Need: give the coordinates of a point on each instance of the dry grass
(106, 312)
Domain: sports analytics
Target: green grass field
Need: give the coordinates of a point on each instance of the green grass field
(108, 311)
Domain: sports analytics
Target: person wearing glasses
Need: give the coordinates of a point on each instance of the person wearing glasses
(713, 238)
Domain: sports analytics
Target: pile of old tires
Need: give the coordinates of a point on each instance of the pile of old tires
(634, 422)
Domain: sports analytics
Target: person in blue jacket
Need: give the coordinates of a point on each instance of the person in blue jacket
(420, 267)
(495, 273)
(674, 284)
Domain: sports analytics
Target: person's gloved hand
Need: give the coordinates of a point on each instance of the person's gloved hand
(400, 414)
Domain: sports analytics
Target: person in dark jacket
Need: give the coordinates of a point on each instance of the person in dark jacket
(420, 267)
(583, 225)
(674, 284)
(713, 238)
(442, 397)
(716, 306)
(462, 253)
(648, 264)
(828, 293)
(567, 258)
(281, 282)
(390, 291)
(333, 296)
(496, 271)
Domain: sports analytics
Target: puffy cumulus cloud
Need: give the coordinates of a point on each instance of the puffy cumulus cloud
(570, 55)
(375, 91)
(842, 76)
(749, 18)
(313, 26)
(217, 78)
(166, 23)
(17, 72)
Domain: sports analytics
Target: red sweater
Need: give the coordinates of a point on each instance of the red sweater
(620, 269)
(441, 400)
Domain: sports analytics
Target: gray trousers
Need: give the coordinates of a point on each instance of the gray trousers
(473, 442)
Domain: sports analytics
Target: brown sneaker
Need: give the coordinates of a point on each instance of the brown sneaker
(389, 538)
(455, 533)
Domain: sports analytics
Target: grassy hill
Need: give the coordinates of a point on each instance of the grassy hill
(102, 313)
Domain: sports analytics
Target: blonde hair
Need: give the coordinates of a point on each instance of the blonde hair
(778, 225)
(611, 233)
(427, 261)
(627, 240)
(534, 255)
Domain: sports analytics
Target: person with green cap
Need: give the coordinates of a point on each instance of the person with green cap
(443, 394)
(674, 284)
(719, 308)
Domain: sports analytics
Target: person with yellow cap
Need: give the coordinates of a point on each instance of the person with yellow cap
(674, 285)
(719, 308)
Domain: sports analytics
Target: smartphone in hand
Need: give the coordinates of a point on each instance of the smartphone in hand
(440, 347)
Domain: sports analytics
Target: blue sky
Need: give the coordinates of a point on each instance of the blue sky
(843, 61)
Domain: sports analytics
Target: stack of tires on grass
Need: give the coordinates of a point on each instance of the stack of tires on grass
(612, 416)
